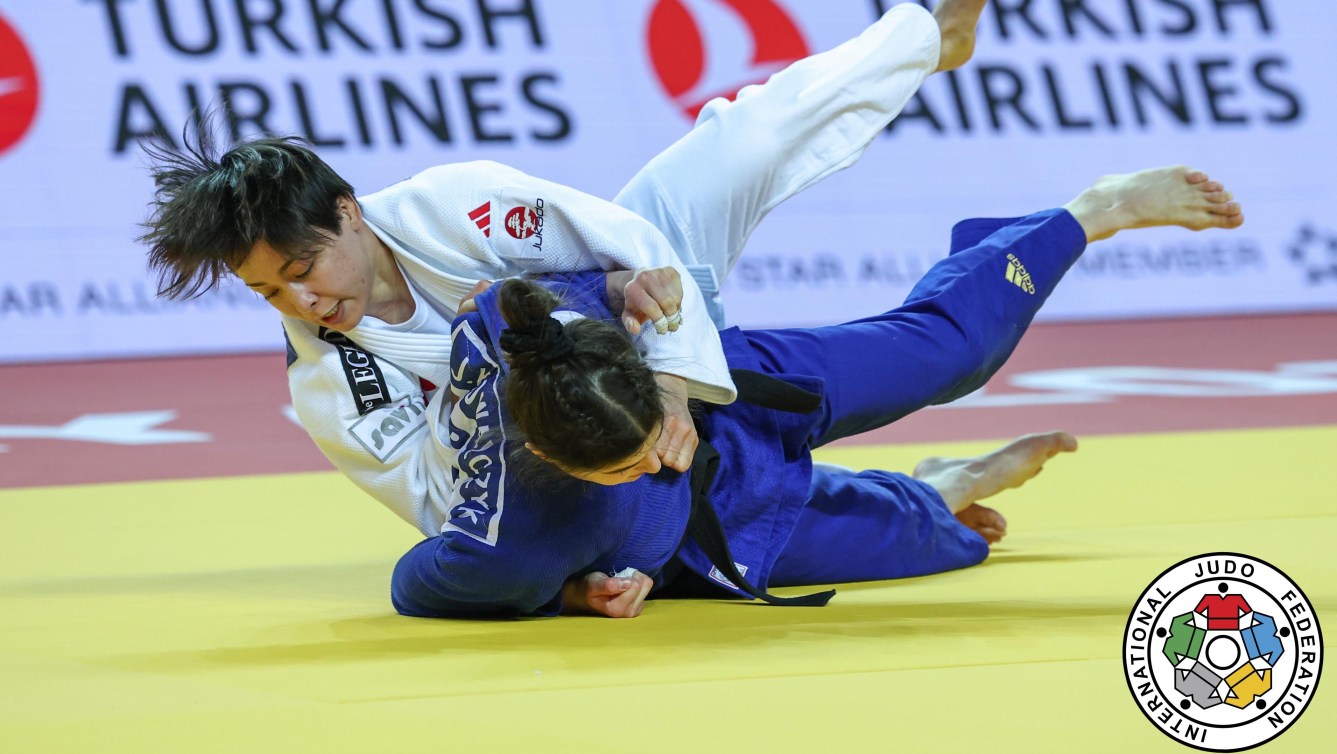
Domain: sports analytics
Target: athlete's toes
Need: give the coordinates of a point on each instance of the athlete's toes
(985, 521)
(992, 526)
(1218, 197)
(1210, 187)
(1063, 443)
(1194, 176)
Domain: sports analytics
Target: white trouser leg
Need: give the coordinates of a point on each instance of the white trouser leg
(708, 191)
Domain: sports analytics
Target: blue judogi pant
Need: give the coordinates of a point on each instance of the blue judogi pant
(954, 331)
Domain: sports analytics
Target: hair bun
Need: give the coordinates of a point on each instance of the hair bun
(545, 341)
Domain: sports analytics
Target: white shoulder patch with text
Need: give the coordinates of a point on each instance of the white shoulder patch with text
(385, 430)
(517, 226)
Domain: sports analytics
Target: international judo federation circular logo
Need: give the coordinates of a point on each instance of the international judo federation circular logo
(1223, 652)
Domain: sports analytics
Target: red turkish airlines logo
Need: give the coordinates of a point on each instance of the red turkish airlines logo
(703, 49)
(18, 87)
(522, 222)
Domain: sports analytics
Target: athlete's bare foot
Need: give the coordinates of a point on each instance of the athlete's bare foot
(957, 20)
(986, 522)
(964, 481)
(1163, 196)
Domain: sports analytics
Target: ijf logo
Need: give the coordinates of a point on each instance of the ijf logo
(1223, 652)
(18, 87)
(703, 49)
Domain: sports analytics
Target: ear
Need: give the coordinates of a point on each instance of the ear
(530, 447)
(351, 210)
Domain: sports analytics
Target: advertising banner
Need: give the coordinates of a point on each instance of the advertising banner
(584, 92)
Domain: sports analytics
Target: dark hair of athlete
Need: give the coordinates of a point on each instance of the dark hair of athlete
(209, 211)
(579, 391)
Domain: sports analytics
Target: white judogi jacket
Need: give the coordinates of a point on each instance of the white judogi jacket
(361, 395)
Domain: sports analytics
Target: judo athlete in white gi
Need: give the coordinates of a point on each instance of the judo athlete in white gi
(385, 275)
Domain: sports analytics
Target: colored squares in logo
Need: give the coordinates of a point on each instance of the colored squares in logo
(1200, 684)
(1207, 645)
(1261, 639)
(1246, 684)
(18, 87)
(1185, 640)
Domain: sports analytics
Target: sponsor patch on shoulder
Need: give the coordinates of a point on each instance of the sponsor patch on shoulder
(522, 219)
(385, 430)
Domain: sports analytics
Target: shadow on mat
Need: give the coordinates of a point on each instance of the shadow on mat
(682, 624)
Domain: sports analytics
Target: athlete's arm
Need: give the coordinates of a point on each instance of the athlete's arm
(531, 225)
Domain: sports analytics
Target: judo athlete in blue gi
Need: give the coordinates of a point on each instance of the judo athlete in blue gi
(536, 381)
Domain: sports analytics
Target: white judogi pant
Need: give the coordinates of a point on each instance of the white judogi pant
(710, 189)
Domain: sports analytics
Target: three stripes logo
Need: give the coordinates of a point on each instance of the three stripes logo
(482, 217)
(1017, 275)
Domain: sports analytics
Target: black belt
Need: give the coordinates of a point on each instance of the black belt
(704, 524)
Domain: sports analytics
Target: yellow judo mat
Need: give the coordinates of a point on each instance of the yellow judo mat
(252, 614)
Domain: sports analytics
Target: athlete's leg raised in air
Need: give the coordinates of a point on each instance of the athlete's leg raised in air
(708, 191)
(957, 20)
(965, 317)
(1164, 196)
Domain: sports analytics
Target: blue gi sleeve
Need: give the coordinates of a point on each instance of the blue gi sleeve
(548, 538)
(441, 578)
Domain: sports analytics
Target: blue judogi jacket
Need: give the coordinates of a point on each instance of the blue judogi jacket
(508, 547)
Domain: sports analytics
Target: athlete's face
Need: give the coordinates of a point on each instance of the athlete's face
(331, 287)
(629, 469)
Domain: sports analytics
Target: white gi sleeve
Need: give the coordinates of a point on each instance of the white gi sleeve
(373, 421)
(483, 220)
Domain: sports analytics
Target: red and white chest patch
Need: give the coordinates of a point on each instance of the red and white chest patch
(522, 222)
(521, 215)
